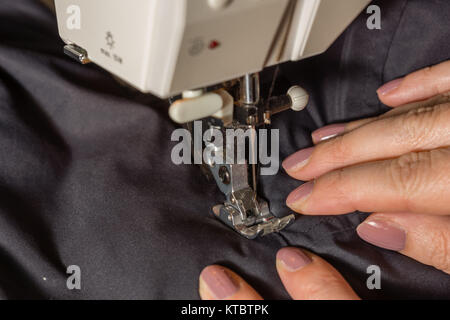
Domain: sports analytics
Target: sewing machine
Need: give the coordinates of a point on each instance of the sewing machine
(206, 55)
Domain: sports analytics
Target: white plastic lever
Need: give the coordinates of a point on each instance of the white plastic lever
(194, 106)
(299, 97)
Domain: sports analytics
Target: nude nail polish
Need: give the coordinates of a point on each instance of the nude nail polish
(382, 234)
(389, 87)
(219, 283)
(300, 194)
(328, 132)
(293, 259)
(297, 160)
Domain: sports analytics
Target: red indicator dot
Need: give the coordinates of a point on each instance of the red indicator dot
(214, 44)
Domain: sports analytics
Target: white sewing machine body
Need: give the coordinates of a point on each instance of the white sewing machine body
(167, 46)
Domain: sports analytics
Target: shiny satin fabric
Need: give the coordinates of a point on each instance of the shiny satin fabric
(86, 177)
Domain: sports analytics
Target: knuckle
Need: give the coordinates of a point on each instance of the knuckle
(408, 174)
(439, 85)
(441, 166)
(442, 109)
(415, 126)
(427, 74)
(445, 107)
(321, 286)
(345, 188)
(340, 149)
(440, 251)
(415, 175)
(335, 180)
(437, 76)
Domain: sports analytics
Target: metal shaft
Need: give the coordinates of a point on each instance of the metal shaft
(249, 97)
(249, 94)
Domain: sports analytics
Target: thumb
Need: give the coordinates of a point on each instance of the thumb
(220, 283)
(417, 86)
(308, 277)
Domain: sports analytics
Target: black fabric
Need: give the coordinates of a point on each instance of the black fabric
(86, 176)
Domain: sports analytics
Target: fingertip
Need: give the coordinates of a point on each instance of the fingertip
(389, 87)
(298, 198)
(216, 283)
(220, 283)
(417, 86)
(328, 132)
(292, 259)
(382, 233)
(422, 237)
(297, 161)
(306, 276)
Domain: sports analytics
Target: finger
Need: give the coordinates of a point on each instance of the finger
(417, 130)
(415, 182)
(219, 283)
(308, 277)
(424, 238)
(334, 130)
(420, 85)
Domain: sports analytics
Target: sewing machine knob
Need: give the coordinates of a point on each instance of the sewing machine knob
(299, 97)
(194, 106)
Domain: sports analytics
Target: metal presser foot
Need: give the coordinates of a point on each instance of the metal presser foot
(237, 106)
(243, 210)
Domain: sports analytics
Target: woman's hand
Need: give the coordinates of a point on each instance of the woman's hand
(396, 165)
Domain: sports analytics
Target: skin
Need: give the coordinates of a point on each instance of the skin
(405, 155)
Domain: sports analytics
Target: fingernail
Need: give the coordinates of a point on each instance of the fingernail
(299, 195)
(297, 160)
(328, 132)
(390, 86)
(293, 259)
(219, 283)
(382, 234)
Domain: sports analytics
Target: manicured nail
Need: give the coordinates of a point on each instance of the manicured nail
(390, 86)
(382, 234)
(299, 195)
(219, 283)
(297, 160)
(293, 259)
(328, 132)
